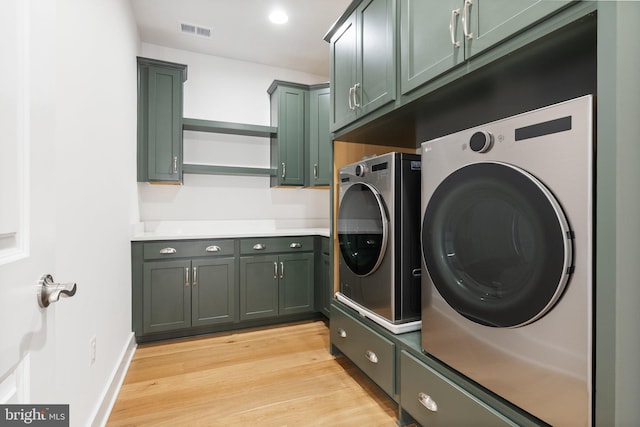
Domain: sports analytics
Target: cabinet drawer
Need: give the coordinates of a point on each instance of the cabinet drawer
(420, 387)
(370, 351)
(266, 245)
(193, 248)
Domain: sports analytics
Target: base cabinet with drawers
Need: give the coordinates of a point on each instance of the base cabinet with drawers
(279, 279)
(428, 393)
(188, 287)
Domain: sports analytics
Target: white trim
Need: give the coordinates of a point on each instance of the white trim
(396, 328)
(101, 415)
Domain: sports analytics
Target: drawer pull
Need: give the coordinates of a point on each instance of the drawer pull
(426, 401)
(371, 356)
(295, 245)
(213, 248)
(167, 251)
(342, 333)
(259, 246)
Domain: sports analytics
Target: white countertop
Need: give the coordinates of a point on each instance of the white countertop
(182, 230)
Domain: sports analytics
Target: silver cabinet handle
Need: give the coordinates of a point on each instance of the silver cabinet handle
(284, 169)
(465, 19)
(259, 247)
(186, 277)
(168, 251)
(295, 245)
(315, 171)
(195, 276)
(281, 270)
(213, 248)
(275, 270)
(426, 401)
(452, 27)
(355, 96)
(350, 99)
(342, 333)
(175, 165)
(49, 291)
(371, 356)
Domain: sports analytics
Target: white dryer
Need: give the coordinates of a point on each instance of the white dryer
(507, 242)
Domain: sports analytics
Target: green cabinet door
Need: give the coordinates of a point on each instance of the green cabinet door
(376, 63)
(324, 286)
(343, 48)
(160, 94)
(363, 76)
(320, 153)
(258, 287)
(493, 21)
(428, 45)
(295, 283)
(213, 291)
(436, 35)
(166, 302)
(288, 114)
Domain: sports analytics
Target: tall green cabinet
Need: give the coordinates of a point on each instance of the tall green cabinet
(160, 90)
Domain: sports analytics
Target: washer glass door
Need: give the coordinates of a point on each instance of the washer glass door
(496, 244)
(362, 228)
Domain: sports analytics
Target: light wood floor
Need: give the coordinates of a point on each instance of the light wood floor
(279, 376)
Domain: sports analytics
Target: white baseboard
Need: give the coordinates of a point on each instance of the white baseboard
(113, 387)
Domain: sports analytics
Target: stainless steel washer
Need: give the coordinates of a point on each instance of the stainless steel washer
(507, 241)
(378, 215)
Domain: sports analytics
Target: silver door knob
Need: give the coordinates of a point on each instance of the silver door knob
(48, 291)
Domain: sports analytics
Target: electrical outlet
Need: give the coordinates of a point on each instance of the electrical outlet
(92, 345)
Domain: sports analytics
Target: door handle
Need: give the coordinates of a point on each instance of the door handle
(452, 27)
(465, 19)
(49, 291)
(281, 270)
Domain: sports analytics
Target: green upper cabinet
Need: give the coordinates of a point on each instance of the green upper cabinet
(289, 103)
(320, 156)
(160, 90)
(436, 35)
(363, 74)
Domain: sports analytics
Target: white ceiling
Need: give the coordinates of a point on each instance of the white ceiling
(241, 29)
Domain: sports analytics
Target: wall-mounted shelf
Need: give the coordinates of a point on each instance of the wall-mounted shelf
(228, 128)
(226, 170)
(199, 125)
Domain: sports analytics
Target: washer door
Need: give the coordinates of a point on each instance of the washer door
(363, 228)
(496, 245)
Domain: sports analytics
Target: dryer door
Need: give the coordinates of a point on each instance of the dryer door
(496, 244)
(363, 228)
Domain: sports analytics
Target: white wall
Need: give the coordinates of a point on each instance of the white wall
(232, 91)
(95, 145)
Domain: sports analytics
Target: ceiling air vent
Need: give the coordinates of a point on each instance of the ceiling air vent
(195, 30)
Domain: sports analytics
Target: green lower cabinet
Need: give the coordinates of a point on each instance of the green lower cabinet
(295, 283)
(273, 285)
(181, 294)
(166, 293)
(435, 401)
(213, 292)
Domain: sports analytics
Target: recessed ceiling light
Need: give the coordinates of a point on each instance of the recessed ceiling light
(278, 17)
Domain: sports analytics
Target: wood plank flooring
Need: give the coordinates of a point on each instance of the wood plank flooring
(278, 376)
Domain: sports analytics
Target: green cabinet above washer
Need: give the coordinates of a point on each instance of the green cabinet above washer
(436, 36)
(160, 104)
